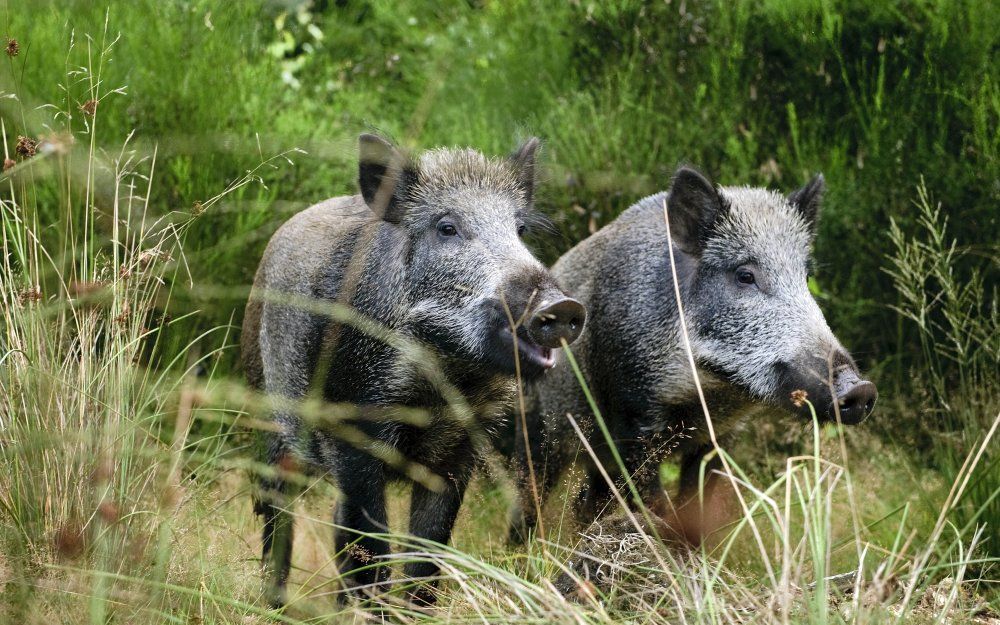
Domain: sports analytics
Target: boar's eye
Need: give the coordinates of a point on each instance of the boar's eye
(521, 229)
(745, 277)
(447, 229)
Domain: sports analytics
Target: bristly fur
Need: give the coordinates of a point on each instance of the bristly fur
(464, 168)
(753, 343)
(754, 217)
(384, 255)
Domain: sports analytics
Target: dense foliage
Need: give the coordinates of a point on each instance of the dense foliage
(874, 95)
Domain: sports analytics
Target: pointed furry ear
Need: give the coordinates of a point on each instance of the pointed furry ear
(693, 207)
(808, 200)
(523, 159)
(384, 175)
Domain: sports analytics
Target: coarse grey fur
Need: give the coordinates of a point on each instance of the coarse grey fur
(755, 339)
(429, 254)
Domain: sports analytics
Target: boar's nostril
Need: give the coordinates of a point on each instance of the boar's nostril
(857, 403)
(555, 322)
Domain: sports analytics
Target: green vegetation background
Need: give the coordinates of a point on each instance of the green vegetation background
(874, 95)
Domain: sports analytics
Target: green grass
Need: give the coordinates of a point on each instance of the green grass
(130, 239)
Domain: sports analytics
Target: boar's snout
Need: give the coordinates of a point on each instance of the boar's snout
(855, 398)
(555, 321)
(833, 385)
(537, 317)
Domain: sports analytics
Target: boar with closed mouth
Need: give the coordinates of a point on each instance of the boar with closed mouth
(430, 253)
(757, 336)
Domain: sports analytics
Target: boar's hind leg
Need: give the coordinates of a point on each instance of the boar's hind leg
(360, 513)
(432, 517)
(274, 495)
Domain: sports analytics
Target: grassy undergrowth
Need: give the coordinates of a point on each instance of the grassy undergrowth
(124, 434)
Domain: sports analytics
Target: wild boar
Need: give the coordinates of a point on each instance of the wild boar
(757, 336)
(430, 254)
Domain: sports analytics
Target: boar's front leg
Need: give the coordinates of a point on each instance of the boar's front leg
(432, 517)
(360, 512)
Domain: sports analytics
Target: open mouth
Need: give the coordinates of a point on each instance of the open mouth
(527, 350)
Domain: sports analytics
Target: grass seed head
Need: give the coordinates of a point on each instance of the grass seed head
(361, 553)
(8, 164)
(26, 147)
(30, 295)
(125, 315)
(89, 108)
(148, 257)
(799, 397)
(13, 48)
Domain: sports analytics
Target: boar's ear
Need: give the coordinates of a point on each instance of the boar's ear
(523, 160)
(693, 207)
(384, 175)
(808, 199)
